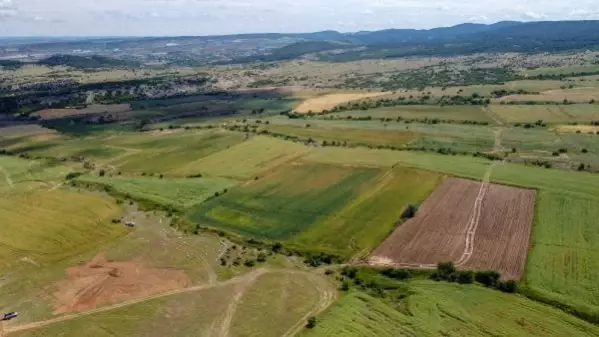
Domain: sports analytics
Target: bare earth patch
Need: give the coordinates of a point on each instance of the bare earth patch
(99, 281)
(90, 110)
(330, 101)
(440, 231)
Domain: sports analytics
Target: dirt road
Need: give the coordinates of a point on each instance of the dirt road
(252, 275)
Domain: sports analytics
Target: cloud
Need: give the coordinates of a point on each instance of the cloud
(206, 17)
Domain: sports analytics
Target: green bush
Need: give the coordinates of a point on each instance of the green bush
(487, 278)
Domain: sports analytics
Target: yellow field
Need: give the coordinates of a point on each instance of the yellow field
(330, 101)
(576, 128)
(46, 226)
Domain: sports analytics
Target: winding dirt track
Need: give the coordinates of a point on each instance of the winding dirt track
(327, 297)
(252, 275)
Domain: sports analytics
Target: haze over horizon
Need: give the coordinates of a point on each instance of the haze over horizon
(218, 17)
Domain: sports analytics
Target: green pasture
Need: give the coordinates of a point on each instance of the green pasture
(309, 206)
(563, 261)
(179, 193)
(445, 309)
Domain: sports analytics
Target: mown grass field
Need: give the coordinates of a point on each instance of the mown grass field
(308, 206)
(282, 299)
(179, 193)
(465, 166)
(546, 113)
(458, 113)
(14, 171)
(579, 95)
(351, 136)
(443, 309)
(563, 260)
(457, 137)
(246, 160)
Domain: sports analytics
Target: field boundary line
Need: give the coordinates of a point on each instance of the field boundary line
(7, 177)
(232, 307)
(495, 117)
(475, 220)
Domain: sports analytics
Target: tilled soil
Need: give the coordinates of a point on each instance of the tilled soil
(438, 232)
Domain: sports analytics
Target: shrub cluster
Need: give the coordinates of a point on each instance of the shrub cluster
(446, 271)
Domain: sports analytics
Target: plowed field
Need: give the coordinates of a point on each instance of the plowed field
(438, 233)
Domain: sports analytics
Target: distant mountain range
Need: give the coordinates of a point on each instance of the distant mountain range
(505, 36)
(467, 38)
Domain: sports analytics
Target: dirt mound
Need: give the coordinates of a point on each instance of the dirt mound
(100, 282)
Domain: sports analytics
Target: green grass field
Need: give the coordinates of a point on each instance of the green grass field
(563, 261)
(310, 205)
(245, 160)
(458, 113)
(444, 309)
(179, 193)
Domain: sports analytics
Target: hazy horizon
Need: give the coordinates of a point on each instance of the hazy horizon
(85, 18)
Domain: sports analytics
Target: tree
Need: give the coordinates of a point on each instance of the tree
(277, 247)
(465, 277)
(488, 278)
(409, 212)
(445, 270)
(508, 286)
(311, 322)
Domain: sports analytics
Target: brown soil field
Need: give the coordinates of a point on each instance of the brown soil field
(330, 101)
(438, 233)
(100, 282)
(90, 110)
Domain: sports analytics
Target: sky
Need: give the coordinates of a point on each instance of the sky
(210, 17)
